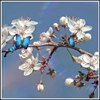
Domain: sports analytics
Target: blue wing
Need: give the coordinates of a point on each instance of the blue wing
(13, 48)
(71, 41)
(18, 40)
(26, 42)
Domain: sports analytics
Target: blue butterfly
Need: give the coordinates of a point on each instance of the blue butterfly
(13, 48)
(20, 42)
(71, 41)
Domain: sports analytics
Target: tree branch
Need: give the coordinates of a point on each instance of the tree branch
(56, 45)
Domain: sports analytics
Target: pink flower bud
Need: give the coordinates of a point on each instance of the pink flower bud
(69, 82)
(40, 87)
(87, 37)
(63, 21)
(56, 26)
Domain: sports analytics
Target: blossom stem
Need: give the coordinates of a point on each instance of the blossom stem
(40, 52)
(69, 52)
(65, 31)
(60, 33)
(41, 77)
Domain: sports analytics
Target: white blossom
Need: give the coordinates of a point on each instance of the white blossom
(23, 27)
(46, 36)
(5, 36)
(30, 65)
(69, 82)
(79, 27)
(90, 62)
(26, 53)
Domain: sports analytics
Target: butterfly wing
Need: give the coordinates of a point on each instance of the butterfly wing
(18, 41)
(71, 41)
(26, 42)
(13, 48)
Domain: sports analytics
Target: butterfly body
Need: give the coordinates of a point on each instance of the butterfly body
(71, 41)
(23, 43)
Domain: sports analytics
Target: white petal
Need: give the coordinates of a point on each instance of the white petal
(30, 49)
(94, 60)
(15, 21)
(85, 65)
(73, 30)
(96, 53)
(81, 22)
(86, 28)
(32, 57)
(28, 71)
(30, 30)
(71, 23)
(3, 45)
(21, 23)
(86, 58)
(50, 31)
(4, 31)
(36, 59)
(23, 66)
(9, 38)
(94, 68)
(29, 61)
(80, 35)
(21, 58)
(38, 66)
(32, 23)
(12, 31)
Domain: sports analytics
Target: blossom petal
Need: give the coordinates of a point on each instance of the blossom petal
(85, 65)
(86, 28)
(86, 58)
(32, 23)
(28, 71)
(71, 23)
(73, 30)
(80, 35)
(38, 66)
(9, 38)
(36, 59)
(94, 68)
(23, 66)
(12, 31)
(30, 30)
(81, 22)
(3, 45)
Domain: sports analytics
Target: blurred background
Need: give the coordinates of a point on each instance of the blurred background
(14, 83)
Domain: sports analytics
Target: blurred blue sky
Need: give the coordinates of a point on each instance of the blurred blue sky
(14, 83)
